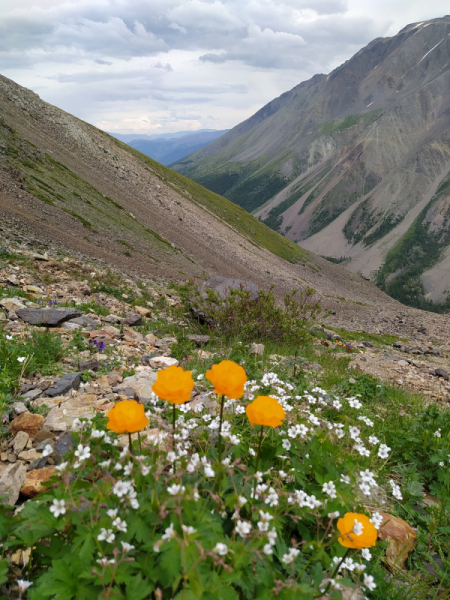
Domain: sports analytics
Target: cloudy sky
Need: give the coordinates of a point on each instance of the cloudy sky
(156, 66)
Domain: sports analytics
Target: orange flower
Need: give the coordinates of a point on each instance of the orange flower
(174, 384)
(357, 531)
(265, 410)
(127, 416)
(228, 379)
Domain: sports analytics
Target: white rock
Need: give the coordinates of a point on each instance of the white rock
(141, 383)
(12, 479)
(162, 362)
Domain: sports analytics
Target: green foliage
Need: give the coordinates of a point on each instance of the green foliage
(239, 315)
(37, 352)
(365, 387)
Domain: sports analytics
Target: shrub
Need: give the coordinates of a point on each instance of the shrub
(240, 316)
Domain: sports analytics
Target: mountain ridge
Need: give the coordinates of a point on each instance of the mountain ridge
(340, 162)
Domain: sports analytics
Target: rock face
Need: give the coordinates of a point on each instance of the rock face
(48, 317)
(345, 163)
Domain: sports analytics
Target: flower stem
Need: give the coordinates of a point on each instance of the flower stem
(174, 416)
(257, 458)
(130, 442)
(327, 589)
(140, 442)
(219, 445)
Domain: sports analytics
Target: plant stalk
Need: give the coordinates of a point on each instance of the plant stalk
(258, 453)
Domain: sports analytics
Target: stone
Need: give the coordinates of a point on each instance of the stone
(20, 441)
(141, 383)
(82, 406)
(114, 377)
(11, 304)
(12, 478)
(142, 311)
(89, 365)
(32, 394)
(34, 481)
(18, 408)
(43, 435)
(199, 340)
(69, 381)
(133, 320)
(133, 336)
(34, 289)
(151, 339)
(50, 441)
(402, 539)
(441, 373)
(63, 445)
(165, 343)
(47, 317)
(257, 349)
(29, 455)
(39, 463)
(112, 318)
(162, 362)
(84, 322)
(28, 422)
(397, 344)
(70, 326)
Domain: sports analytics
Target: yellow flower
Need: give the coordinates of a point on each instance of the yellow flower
(265, 410)
(228, 379)
(357, 531)
(174, 384)
(127, 416)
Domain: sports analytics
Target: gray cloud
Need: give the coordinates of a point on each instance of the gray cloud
(222, 59)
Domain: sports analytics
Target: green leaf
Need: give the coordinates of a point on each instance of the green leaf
(138, 588)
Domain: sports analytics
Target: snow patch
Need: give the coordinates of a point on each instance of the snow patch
(430, 51)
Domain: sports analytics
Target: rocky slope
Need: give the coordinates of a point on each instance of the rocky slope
(67, 186)
(355, 165)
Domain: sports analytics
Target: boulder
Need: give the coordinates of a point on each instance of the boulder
(441, 373)
(47, 317)
(34, 481)
(402, 539)
(142, 311)
(28, 422)
(12, 478)
(133, 320)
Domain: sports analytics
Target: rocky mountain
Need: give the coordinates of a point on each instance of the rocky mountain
(68, 187)
(355, 165)
(167, 151)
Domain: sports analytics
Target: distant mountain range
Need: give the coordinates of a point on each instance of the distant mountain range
(167, 148)
(355, 165)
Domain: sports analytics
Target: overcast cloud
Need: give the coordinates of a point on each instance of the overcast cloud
(154, 66)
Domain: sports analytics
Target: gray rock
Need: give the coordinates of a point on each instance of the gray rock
(47, 317)
(141, 383)
(64, 444)
(18, 408)
(20, 441)
(12, 479)
(165, 342)
(32, 394)
(397, 344)
(70, 326)
(48, 442)
(199, 340)
(69, 381)
(89, 365)
(39, 463)
(441, 373)
(162, 362)
(133, 320)
(85, 322)
(112, 319)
